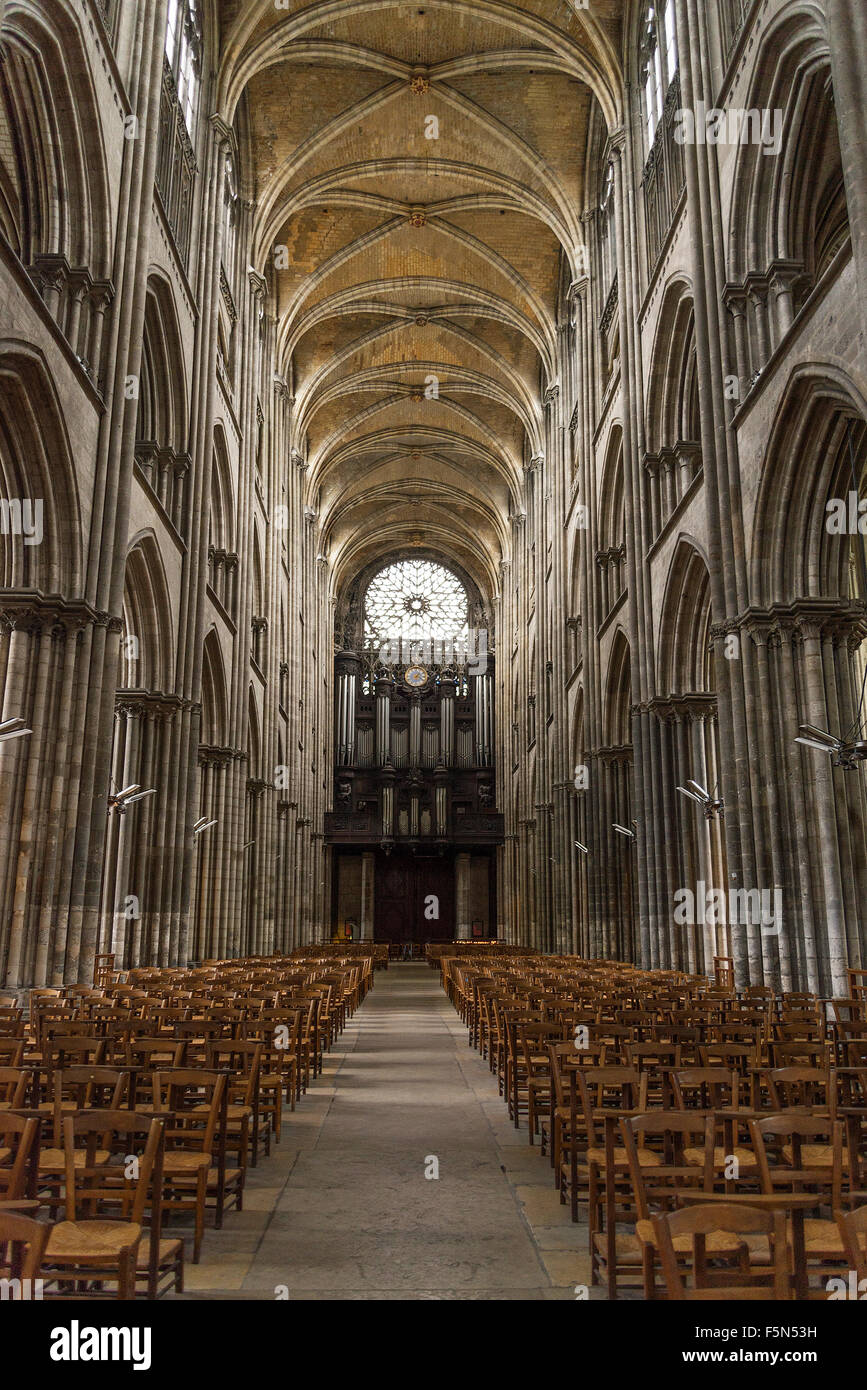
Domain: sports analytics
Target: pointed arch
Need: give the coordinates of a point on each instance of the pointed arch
(54, 190)
(38, 479)
(612, 525)
(222, 514)
(578, 729)
(618, 693)
(672, 391)
(794, 555)
(214, 731)
(147, 646)
(790, 208)
(162, 413)
(684, 659)
(254, 737)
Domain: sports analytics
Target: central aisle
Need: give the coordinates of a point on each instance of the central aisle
(356, 1218)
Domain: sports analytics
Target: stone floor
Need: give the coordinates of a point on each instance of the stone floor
(342, 1209)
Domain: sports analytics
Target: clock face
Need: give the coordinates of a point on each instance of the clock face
(415, 676)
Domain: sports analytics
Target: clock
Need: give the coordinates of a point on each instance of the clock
(415, 676)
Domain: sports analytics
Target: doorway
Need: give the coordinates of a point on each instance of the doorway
(410, 890)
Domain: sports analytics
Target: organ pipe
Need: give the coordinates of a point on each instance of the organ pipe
(447, 722)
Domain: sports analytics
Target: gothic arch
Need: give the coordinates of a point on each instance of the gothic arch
(791, 208)
(684, 663)
(37, 473)
(222, 516)
(214, 732)
(578, 731)
(793, 554)
(148, 662)
(162, 416)
(672, 388)
(618, 693)
(54, 195)
(612, 525)
(254, 737)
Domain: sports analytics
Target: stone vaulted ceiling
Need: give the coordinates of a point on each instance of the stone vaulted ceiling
(417, 303)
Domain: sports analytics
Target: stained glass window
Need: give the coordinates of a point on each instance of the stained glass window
(660, 39)
(183, 53)
(415, 600)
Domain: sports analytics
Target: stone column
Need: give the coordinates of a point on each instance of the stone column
(462, 896)
(847, 42)
(368, 878)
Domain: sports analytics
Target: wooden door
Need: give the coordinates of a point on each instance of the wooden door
(406, 889)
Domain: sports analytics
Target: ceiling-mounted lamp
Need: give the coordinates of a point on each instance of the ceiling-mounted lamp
(711, 805)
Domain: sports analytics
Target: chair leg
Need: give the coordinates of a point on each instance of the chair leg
(201, 1189)
(126, 1274)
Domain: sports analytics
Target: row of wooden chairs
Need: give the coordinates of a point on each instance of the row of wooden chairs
(720, 1148)
(131, 1103)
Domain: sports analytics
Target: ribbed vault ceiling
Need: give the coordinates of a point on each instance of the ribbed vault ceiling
(412, 258)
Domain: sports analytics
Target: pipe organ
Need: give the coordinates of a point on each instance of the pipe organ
(414, 755)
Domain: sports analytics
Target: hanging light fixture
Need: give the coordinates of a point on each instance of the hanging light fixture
(711, 805)
(122, 800)
(13, 728)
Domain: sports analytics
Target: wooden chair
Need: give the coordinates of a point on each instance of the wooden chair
(850, 1010)
(103, 970)
(710, 1276)
(11, 1052)
(14, 1084)
(61, 1050)
(89, 1246)
(93, 1088)
(280, 1036)
(11, 1022)
(733, 1056)
(197, 1034)
(534, 1073)
(616, 1037)
(853, 1234)
(800, 1088)
(801, 1053)
(22, 1247)
(658, 1060)
(194, 1104)
(687, 1037)
(800, 1153)
(713, 1090)
(667, 1152)
(851, 1044)
(242, 1060)
(597, 1094)
(19, 1148)
(564, 1057)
